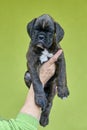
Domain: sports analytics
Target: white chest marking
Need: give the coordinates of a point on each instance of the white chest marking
(45, 56)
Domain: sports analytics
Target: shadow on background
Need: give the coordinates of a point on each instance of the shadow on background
(70, 114)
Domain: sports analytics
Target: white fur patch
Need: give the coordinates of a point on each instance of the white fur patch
(45, 56)
(64, 98)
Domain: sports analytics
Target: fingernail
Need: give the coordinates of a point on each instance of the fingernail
(59, 52)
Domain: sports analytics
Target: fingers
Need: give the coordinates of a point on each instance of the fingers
(55, 57)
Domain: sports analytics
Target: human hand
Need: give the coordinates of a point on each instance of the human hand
(47, 70)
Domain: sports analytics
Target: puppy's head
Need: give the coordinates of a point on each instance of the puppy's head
(43, 30)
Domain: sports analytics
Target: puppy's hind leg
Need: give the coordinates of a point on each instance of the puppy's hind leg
(27, 79)
(44, 120)
(50, 93)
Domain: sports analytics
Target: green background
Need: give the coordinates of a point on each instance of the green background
(70, 114)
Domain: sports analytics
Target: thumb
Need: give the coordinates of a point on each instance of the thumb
(55, 57)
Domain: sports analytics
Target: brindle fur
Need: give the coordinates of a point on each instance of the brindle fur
(39, 27)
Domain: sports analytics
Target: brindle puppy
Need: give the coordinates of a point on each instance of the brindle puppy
(45, 36)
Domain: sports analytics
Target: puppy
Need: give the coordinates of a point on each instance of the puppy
(45, 36)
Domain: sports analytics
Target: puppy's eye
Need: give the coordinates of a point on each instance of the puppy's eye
(37, 28)
(50, 32)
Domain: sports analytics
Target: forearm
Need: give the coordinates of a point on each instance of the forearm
(30, 107)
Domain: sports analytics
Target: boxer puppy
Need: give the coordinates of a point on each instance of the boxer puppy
(45, 36)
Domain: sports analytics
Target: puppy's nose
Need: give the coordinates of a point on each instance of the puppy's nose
(41, 37)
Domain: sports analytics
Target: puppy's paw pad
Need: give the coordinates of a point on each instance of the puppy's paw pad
(27, 76)
(27, 79)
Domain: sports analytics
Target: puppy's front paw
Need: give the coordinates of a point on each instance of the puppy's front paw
(41, 100)
(63, 92)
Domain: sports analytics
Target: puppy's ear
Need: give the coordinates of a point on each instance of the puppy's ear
(59, 32)
(30, 27)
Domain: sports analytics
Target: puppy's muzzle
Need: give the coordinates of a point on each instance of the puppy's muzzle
(41, 41)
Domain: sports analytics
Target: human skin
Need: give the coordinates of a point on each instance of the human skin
(47, 70)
